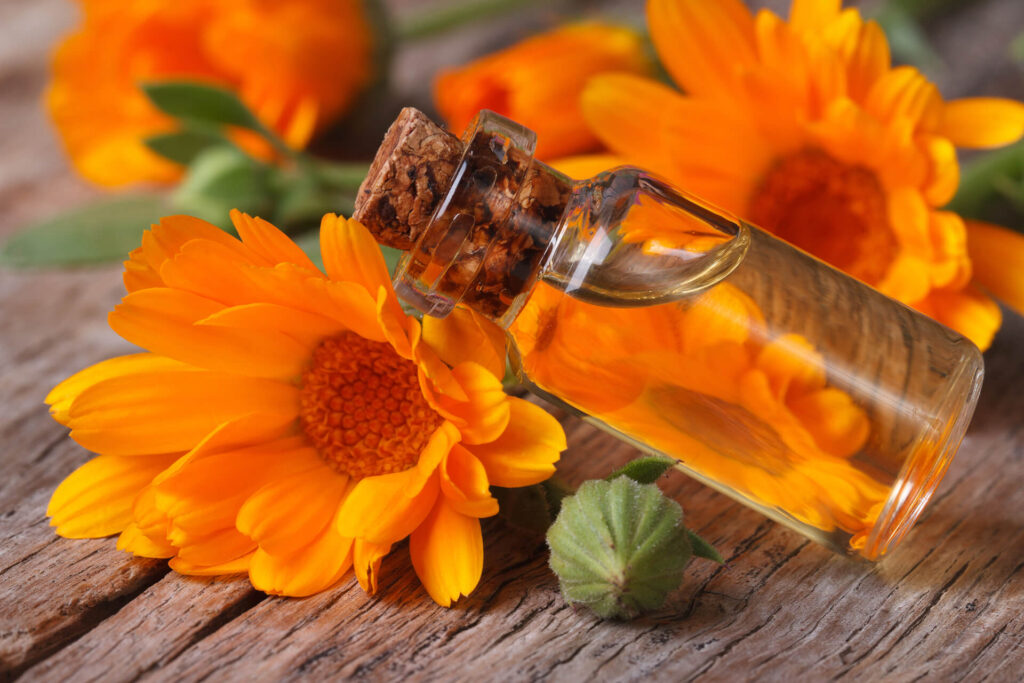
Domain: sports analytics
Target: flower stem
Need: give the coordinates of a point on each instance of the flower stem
(437, 20)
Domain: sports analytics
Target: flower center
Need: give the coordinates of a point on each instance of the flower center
(362, 407)
(832, 210)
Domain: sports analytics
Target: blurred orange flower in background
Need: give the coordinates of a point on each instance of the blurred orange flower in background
(805, 128)
(287, 423)
(538, 83)
(298, 65)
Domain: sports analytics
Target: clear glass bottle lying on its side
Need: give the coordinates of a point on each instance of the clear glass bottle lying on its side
(766, 373)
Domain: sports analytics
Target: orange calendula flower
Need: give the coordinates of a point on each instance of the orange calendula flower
(804, 128)
(298, 65)
(538, 82)
(702, 381)
(289, 424)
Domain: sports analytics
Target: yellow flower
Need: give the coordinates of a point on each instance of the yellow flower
(538, 83)
(804, 128)
(298, 65)
(288, 424)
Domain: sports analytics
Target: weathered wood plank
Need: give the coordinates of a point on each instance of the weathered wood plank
(948, 605)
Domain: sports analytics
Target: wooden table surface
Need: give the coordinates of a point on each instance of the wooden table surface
(948, 604)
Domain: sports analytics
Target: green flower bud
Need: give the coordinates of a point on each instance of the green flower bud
(619, 547)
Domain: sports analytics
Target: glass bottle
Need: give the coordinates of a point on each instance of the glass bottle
(769, 375)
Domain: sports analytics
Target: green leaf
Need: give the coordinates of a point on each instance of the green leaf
(200, 102)
(645, 470)
(221, 179)
(702, 548)
(101, 232)
(184, 146)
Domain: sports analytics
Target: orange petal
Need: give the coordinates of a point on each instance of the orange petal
(464, 482)
(385, 509)
(792, 366)
(351, 254)
(968, 311)
(96, 499)
(239, 565)
(269, 242)
(944, 176)
(465, 335)
(368, 557)
(813, 15)
(304, 327)
(703, 45)
(447, 552)
(309, 570)
(169, 411)
(134, 541)
(839, 426)
(163, 321)
(998, 257)
(982, 122)
(526, 452)
(868, 61)
(484, 416)
(62, 395)
(287, 513)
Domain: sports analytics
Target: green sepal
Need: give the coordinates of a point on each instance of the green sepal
(645, 470)
(703, 549)
(105, 231)
(200, 102)
(618, 547)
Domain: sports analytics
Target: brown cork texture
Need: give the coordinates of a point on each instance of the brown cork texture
(408, 178)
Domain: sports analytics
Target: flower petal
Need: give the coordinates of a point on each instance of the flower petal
(269, 242)
(998, 257)
(465, 335)
(62, 395)
(163, 321)
(526, 452)
(96, 499)
(447, 552)
(464, 482)
(385, 509)
(351, 254)
(368, 557)
(704, 45)
(484, 416)
(134, 541)
(289, 512)
(968, 311)
(309, 570)
(983, 122)
(171, 411)
(239, 565)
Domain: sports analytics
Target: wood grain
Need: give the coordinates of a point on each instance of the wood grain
(947, 605)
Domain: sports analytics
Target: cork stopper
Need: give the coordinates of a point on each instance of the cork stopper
(475, 215)
(409, 177)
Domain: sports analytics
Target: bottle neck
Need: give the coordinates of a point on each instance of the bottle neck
(506, 221)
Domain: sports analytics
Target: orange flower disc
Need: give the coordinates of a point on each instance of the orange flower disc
(830, 209)
(363, 409)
